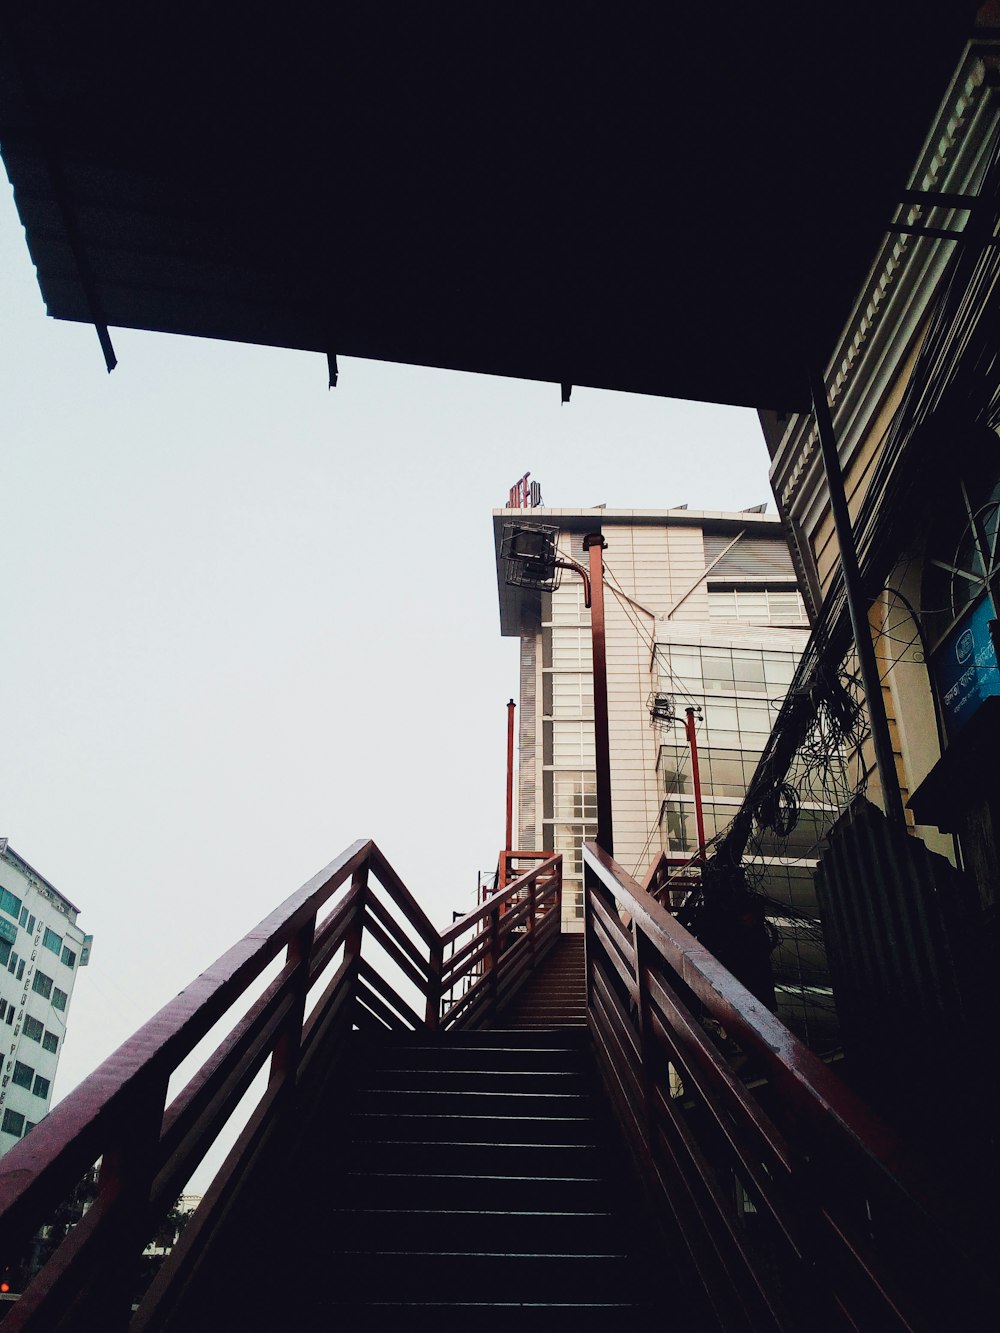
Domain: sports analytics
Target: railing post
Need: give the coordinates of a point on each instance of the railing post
(494, 954)
(285, 1055)
(532, 908)
(641, 947)
(352, 939)
(432, 1013)
(123, 1187)
(589, 938)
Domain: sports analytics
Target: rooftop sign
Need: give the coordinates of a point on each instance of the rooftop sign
(525, 495)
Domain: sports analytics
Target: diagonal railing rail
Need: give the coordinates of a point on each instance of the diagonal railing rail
(786, 1191)
(336, 942)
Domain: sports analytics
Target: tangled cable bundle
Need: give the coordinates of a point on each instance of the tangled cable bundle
(778, 809)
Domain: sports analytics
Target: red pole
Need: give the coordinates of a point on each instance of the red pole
(508, 845)
(594, 544)
(695, 780)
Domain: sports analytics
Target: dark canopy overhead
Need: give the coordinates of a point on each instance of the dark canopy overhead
(669, 199)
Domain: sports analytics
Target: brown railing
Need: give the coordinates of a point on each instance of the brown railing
(785, 1190)
(342, 935)
(494, 948)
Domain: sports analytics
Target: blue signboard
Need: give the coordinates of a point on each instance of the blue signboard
(965, 666)
(8, 931)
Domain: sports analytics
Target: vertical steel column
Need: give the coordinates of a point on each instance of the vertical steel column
(594, 545)
(856, 604)
(699, 814)
(508, 845)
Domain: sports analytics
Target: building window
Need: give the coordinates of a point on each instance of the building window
(763, 606)
(41, 985)
(10, 1015)
(50, 940)
(574, 795)
(568, 694)
(12, 963)
(3, 1008)
(10, 904)
(568, 744)
(567, 604)
(13, 1123)
(50, 1042)
(41, 1087)
(570, 648)
(20, 970)
(24, 916)
(31, 924)
(4, 952)
(22, 1075)
(33, 1028)
(59, 998)
(69, 957)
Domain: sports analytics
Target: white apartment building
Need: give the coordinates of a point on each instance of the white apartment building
(701, 609)
(41, 950)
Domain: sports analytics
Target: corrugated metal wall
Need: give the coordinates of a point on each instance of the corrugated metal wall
(902, 930)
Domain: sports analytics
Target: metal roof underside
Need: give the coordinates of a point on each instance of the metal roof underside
(667, 202)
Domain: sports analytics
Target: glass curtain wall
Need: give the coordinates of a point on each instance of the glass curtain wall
(739, 691)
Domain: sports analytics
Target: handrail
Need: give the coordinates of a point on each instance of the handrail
(149, 1147)
(506, 938)
(787, 1191)
(500, 900)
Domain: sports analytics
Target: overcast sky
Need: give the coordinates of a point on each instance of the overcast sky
(248, 620)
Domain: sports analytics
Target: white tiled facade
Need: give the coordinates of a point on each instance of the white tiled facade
(41, 950)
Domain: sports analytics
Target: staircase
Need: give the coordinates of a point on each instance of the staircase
(482, 1179)
(556, 995)
(439, 1143)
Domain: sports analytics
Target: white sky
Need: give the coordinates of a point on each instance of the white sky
(247, 620)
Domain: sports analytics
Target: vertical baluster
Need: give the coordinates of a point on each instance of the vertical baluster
(355, 932)
(532, 907)
(589, 937)
(432, 1013)
(647, 1047)
(288, 1041)
(494, 959)
(128, 1166)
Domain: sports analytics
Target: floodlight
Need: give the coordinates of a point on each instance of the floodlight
(531, 556)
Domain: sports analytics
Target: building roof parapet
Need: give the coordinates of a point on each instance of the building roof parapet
(8, 854)
(518, 606)
(594, 517)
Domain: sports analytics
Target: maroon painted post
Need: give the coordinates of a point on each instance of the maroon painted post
(124, 1185)
(432, 1012)
(647, 1051)
(532, 911)
(594, 545)
(508, 844)
(285, 1056)
(699, 813)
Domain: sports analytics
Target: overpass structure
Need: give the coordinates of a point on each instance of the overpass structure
(486, 1122)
